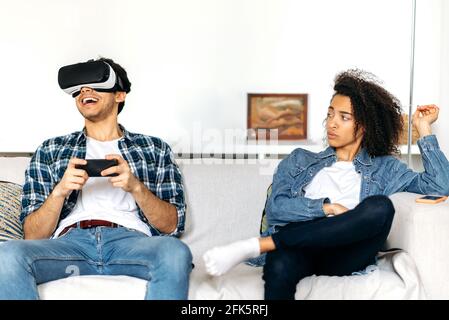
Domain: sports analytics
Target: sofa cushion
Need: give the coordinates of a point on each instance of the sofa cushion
(93, 288)
(101, 287)
(10, 226)
(395, 277)
(12, 169)
(224, 201)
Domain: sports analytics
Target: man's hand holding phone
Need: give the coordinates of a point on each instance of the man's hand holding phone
(94, 167)
(79, 170)
(73, 179)
(125, 179)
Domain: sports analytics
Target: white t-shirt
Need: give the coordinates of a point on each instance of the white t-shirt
(98, 199)
(339, 182)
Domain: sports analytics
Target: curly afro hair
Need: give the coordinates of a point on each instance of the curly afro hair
(376, 110)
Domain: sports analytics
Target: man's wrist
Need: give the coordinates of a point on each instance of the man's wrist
(138, 188)
(57, 193)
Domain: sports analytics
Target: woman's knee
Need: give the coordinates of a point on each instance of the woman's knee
(378, 208)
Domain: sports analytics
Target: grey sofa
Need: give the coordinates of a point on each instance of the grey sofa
(225, 200)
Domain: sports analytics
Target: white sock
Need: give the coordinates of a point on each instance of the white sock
(220, 260)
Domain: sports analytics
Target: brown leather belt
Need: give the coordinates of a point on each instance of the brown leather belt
(86, 224)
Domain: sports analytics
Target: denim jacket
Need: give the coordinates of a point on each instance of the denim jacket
(382, 175)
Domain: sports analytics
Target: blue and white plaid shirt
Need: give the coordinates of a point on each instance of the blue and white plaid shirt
(150, 159)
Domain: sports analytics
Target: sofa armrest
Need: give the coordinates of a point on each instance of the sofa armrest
(423, 231)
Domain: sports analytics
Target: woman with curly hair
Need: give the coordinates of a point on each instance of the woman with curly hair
(349, 181)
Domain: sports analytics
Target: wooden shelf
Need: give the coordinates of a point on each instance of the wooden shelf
(280, 148)
(256, 149)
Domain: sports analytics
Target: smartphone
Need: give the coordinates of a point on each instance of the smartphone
(431, 199)
(95, 166)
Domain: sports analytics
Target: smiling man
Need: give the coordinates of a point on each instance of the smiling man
(125, 221)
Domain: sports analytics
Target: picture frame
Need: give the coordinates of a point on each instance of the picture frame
(277, 115)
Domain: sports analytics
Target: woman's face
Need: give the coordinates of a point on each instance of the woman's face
(340, 124)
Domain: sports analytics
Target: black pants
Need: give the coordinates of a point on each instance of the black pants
(334, 246)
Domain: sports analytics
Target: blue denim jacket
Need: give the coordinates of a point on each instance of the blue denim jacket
(382, 175)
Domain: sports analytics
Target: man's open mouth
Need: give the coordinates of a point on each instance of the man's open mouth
(89, 100)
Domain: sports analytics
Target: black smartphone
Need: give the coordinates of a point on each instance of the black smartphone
(95, 166)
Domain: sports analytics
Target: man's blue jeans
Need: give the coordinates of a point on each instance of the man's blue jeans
(166, 262)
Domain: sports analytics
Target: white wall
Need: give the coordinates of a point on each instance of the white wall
(443, 124)
(192, 62)
(432, 61)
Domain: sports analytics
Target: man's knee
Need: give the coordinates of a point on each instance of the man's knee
(175, 254)
(13, 256)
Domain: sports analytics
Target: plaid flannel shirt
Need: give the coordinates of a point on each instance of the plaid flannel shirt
(150, 159)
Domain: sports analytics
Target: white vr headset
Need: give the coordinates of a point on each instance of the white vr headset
(97, 75)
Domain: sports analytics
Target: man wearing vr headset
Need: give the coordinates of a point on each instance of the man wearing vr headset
(124, 222)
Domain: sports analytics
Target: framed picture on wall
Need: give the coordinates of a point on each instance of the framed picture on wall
(277, 115)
